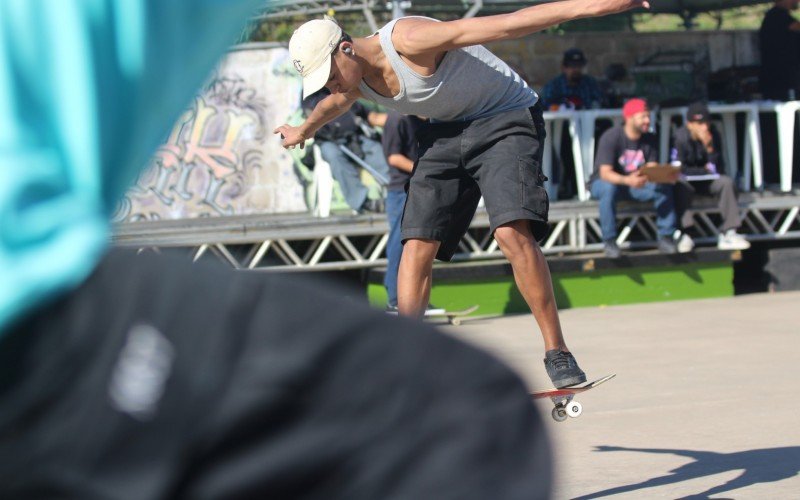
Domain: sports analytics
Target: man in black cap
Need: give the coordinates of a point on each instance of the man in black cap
(696, 147)
(779, 77)
(573, 88)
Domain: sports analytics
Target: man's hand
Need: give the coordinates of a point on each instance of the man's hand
(706, 138)
(635, 179)
(292, 136)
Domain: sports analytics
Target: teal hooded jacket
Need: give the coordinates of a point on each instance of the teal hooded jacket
(88, 89)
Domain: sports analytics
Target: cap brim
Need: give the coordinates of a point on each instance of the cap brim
(317, 78)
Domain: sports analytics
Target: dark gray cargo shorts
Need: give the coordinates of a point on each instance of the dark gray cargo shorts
(498, 157)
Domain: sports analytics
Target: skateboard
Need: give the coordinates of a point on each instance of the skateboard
(453, 317)
(562, 398)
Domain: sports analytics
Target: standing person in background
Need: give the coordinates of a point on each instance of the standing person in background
(348, 130)
(779, 37)
(696, 146)
(487, 140)
(573, 88)
(621, 152)
(401, 149)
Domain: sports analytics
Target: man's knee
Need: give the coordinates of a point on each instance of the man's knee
(664, 193)
(515, 236)
(725, 183)
(420, 250)
(602, 190)
(666, 189)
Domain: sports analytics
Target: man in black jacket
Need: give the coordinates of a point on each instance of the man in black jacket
(697, 148)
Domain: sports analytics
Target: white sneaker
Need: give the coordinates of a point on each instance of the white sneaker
(434, 311)
(731, 240)
(684, 242)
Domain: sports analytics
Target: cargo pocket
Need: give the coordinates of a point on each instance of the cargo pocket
(533, 196)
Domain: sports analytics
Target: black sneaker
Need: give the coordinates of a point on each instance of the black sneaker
(562, 368)
(667, 245)
(372, 206)
(611, 249)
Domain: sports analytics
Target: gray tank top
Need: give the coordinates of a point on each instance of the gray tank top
(469, 83)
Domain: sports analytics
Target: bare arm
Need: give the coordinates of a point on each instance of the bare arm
(326, 110)
(635, 179)
(400, 162)
(420, 36)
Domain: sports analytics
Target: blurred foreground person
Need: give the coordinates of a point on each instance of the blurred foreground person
(148, 377)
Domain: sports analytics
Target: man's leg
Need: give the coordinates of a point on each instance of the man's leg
(346, 174)
(606, 195)
(415, 276)
(394, 245)
(532, 276)
(725, 190)
(683, 193)
(663, 200)
(535, 284)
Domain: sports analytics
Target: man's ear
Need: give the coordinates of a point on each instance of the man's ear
(347, 48)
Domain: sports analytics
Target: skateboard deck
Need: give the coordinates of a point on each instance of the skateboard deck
(563, 398)
(453, 317)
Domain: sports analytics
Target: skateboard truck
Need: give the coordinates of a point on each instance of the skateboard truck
(564, 406)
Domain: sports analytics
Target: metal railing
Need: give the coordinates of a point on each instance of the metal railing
(306, 243)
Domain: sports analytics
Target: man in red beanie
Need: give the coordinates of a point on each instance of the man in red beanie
(621, 152)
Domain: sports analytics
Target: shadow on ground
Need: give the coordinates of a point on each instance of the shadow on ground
(757, 466)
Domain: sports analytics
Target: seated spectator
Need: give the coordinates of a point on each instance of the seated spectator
(696, 146)
(621, 152)
(349, 131)
(572, 88)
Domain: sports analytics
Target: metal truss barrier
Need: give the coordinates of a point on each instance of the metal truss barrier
(305, 243)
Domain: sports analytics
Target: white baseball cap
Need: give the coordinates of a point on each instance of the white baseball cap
(310, 48)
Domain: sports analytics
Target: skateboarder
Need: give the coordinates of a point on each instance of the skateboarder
(486, 139)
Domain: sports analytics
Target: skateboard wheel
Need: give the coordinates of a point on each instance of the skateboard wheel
(574, 409)
(455, 321)
(559, 415)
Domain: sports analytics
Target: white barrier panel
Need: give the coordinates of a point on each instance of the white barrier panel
(221, 158)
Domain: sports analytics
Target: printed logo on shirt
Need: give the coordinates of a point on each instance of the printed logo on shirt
(631, 160)
(144, 365)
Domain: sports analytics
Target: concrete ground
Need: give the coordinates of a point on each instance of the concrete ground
(706, 402)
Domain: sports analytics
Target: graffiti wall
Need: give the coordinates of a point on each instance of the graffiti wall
(221, 157)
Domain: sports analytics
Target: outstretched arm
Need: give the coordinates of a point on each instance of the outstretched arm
(420, 36)
(326, 110)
